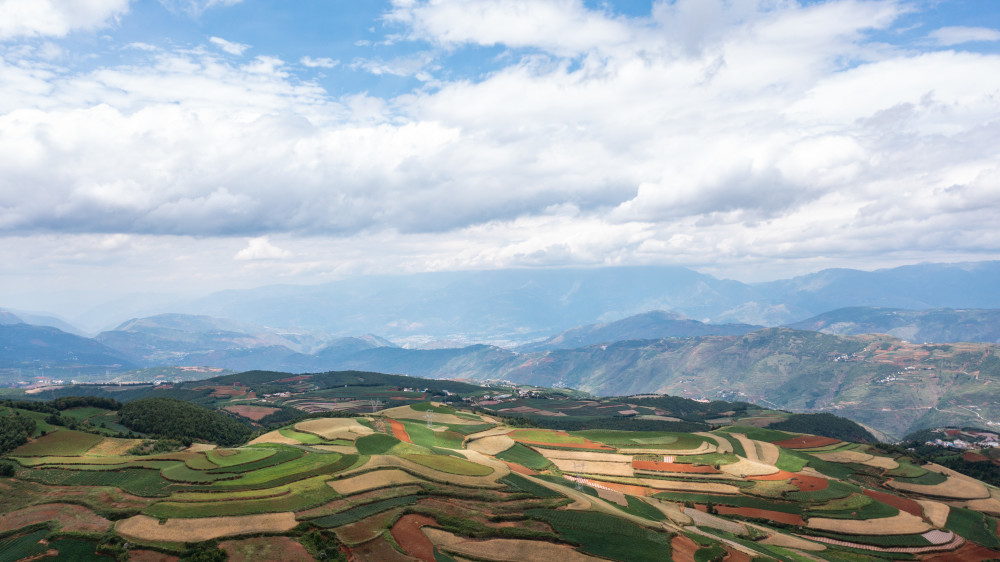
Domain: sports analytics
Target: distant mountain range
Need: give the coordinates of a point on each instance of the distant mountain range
(656, 324)
(921, 326)
(515, 307)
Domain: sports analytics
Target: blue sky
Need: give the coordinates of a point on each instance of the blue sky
(197, 145)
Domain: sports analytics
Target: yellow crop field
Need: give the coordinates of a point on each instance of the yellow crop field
(143, 528)
(512, 550)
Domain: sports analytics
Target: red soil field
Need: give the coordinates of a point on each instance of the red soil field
(974, 457)
(407, 533)
(673, 467)
(682, 549)
(806, 442)
(399, 431)
(801, 481)
(902, 504)
(733, 555)
(520, 469)
(780, 517)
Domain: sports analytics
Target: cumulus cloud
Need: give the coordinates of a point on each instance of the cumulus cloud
(957, 35)
(261, 249)
(319, 62)
(56, 18)
(229, 46)
(707, 132)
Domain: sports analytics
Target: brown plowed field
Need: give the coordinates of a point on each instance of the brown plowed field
(520, 469)
(801, 481)
(902, 504)
(733, 555)
(407, 533)
(975, 457)
(674, 467)
(140, 555)
(378, 549)
(806, 442)
(682, 549)
(254, 413)
(70, 517)
(628, 488)
(265, 549)
(399, 431)
(779, 516)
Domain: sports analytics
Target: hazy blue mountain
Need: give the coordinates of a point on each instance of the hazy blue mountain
(935, 325)
(511, 307)
(647, 326)
(27, 350)
(181, 339)
(8, 318)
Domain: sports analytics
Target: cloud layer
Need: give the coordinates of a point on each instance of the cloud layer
(717, 134)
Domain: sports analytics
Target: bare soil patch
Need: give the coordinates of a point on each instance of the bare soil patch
(275, 437)
(975, 457)
(594, 467)
(266, 549)
(399, 431)
(491, 445)
(112, 447)
(902, 504)
(407, 533)
(520, 469)
(684, 486)
(674, 467)
(373, 480)
(331, 428)
(377, 550)
(780, 517)
(141, 527)
(803, 482)
(255, 413)
(969, 552)
(682, 549)
(70, 517)
(806, 442)
(935, 512)
(901, 524)
(513, 550)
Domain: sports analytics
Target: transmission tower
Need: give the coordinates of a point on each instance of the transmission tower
(375, 404)
(429, 416)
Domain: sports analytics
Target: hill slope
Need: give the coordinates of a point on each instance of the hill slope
(938, 325)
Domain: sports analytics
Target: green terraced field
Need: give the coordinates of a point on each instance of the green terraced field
(525, 456)
(64, 442)
(450, 465)
(605, 535)
(299, 495)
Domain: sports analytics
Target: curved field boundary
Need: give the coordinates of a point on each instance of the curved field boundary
(674, 467)
(757, 513)
(935, 512)
(334, 428)
(807, 442)
(722, 444)
(901, 524)
(745, 467)
(488, 433)
(408, 413)
(900, 503)
(407, 534)
(594, 467)
(491, 445)
(373, 480)
(274, 437)
(390, 461)
(584, 456)
(144, 528)
(953, 544)
(957, 488)
(399, 431)
(857, 457)
(702, 449)
(70, 517)
(512, 550)
(801, 481)
(682, 486)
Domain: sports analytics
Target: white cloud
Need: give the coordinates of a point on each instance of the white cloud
(708, 133)
(261, 249)
(196, 7)
(320, 62)
(957, 35)
(229, 46)
(56, 18)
